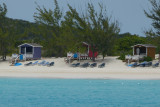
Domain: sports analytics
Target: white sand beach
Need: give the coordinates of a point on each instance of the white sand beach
(114, 69)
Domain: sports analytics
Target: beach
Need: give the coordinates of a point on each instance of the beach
(114, 69)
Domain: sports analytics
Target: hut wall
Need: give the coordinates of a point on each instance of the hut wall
(37, 53)
(135, 51)
(151, 52)
(91, 54)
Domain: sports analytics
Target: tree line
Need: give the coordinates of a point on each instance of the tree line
(60, 33)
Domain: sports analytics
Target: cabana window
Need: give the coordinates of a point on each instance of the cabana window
(29, 50)
(140, 51)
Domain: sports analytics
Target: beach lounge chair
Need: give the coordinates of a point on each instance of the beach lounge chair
(35, 63)
(17, 64)
(50, 64)
(85, 65)
(155, 65)
(28, 64)
(143, 64)
(101, 65)
(41, 63)
(148, 64)
(75, 65)
(45, 64)
(134, 64)
(93, 65)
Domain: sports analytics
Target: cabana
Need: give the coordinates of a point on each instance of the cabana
(86, 55)
(30, 51)
(89, 51)
(143, 50)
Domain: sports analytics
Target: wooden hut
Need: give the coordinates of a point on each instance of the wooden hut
(89, 51)
(144, 50)
(30, 51)
(86, 55)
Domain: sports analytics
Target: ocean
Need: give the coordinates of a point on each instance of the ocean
(29, 92)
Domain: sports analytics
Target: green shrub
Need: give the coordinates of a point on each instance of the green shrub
(121, 57)
(147, 59)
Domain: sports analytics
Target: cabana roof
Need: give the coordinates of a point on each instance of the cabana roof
(85, 43)
(145, 45)
(31, 44)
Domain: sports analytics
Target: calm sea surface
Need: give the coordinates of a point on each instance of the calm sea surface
(18, 92)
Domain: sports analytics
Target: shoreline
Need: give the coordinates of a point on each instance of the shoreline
(82, 75)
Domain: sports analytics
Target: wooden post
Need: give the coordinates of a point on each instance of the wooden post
(32, 52)
(88, 49)
(159, 57)
(146, 51)
(19, 50)
(25, 54)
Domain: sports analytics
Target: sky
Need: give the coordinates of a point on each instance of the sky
(129, 13)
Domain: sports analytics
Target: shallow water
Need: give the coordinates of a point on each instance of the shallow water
(18, 92)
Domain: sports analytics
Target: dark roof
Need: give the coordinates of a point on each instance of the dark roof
(31, 44)
(145, 45)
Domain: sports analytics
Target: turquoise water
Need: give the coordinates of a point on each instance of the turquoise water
(18, 92)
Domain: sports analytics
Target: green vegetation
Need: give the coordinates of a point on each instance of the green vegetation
(153, 35)
(95, 28)
(4, 33)
(147, 59)
(125, 41)
(59, 33)
(121, 57)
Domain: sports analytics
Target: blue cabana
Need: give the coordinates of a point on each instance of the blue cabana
(30, 50)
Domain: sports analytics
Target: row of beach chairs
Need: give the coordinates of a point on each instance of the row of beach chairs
(144, 64)
(85, 65)
(42, 63)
